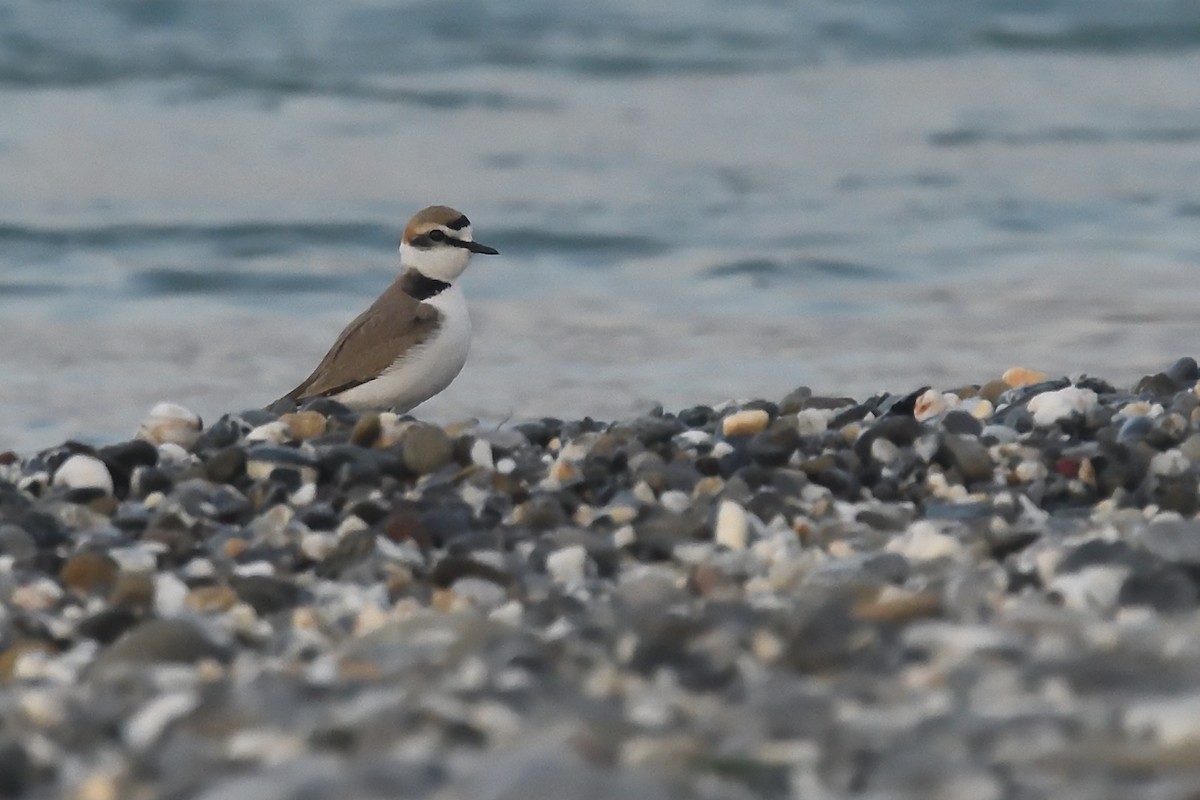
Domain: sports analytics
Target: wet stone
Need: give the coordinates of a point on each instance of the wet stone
(265, 594)
(351, 550)
(1166, 589)
(108, 625)
(17, 770)
(226, 465)
(16, 543)
(774, 447)
(656, 430)
(696, 416)
(147, 480)
(967, 455)
(1157, 385)
(224, 433)
(1184, 371)
(962, 423)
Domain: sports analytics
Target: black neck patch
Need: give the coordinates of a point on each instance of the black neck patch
(422, 287)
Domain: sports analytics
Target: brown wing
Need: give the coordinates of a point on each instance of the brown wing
(369, 344)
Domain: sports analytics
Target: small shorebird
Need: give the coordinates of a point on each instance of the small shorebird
(413, 340)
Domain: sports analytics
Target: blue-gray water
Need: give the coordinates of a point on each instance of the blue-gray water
(694, 200)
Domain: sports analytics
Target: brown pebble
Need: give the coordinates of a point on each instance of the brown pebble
(206, 599)
(354, 670)
(8, 457)
(744, 423)
(133, 590)
(1087, 472)
(707, 580)
(399, 581)
(426, 449)
(966, 392)
(367, 431)
(88, 572)
(304, 424)
(106, 505)
(443, 599)
(899, 609)
(234, 547)
(226, 465)
(564, 472)
(1020, 376)
(405, 526)
(992, 390)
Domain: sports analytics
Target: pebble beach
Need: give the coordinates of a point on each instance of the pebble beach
(984, 592)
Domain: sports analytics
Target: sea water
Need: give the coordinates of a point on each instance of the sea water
(694, 201)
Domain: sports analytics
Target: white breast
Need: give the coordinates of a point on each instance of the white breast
(424, 370)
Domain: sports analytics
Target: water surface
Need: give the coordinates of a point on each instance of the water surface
(694, 201)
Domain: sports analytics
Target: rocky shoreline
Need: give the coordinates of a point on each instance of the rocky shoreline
(984, 593)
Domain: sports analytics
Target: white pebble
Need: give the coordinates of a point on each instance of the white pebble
(172, 455)
(568, 564)
(812, 421)
(39, 595)
(505, 466)
(884, 451)
(169, 595)
(924, 542)
(675, 501)
(199, 568)
(276, 432)
(721, 449)
(84, 472)
(1050, 407)
(624, 536)
(693, 438)
(732, 529)
(254, 568)
(481, 455)
(316, 546)
(170, 422)
(483, 594)
(304, 495)
(1093, 589)
(148, 723)
(930, 405)
(141, 557)
(1170, 463)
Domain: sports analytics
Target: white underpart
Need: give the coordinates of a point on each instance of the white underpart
(423, 371)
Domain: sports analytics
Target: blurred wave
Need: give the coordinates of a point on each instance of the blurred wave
(354, 47)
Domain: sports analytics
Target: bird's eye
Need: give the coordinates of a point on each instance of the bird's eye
(436, 235)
